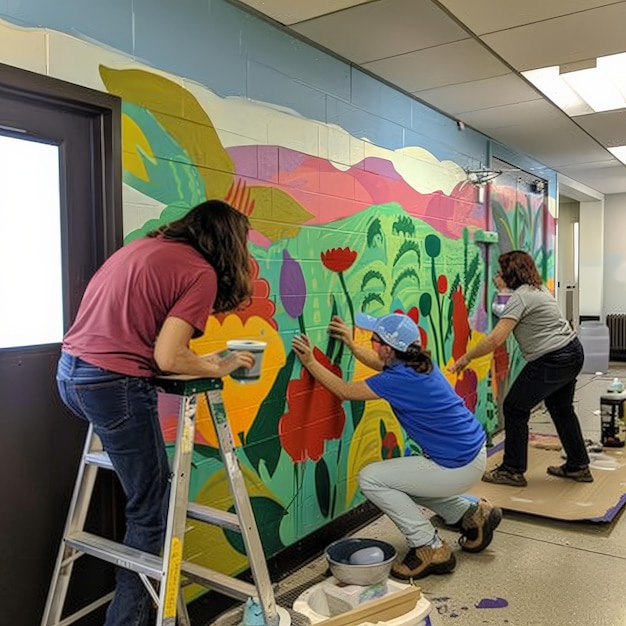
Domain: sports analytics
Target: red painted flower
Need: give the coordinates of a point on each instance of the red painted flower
(338, 259)
(442, 284)
(260, 303)
(390, 445)
(315, 415)
(466, 388)
(460, 324)
(413, 313)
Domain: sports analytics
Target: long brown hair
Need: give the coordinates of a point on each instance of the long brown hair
(219, 233)
(518, 268)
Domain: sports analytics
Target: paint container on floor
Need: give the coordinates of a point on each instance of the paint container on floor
(612, 426)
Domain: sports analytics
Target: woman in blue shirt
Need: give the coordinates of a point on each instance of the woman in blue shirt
(435, 417)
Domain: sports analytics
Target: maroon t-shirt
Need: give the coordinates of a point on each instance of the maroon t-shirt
(129, 298)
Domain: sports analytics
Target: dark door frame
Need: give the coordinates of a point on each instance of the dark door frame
(106, 111)
(91, 230)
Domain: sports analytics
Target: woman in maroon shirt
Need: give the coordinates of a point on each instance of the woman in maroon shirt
(135, 321)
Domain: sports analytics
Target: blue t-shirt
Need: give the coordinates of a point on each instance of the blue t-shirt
(431, 412)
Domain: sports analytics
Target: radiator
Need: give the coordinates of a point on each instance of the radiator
(617, 336)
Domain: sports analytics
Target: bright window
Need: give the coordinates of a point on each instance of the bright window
(31, 294)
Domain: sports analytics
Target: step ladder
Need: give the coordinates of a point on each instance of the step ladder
(169, 570)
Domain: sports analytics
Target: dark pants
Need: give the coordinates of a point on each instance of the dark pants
(123, 411)
(551, 378)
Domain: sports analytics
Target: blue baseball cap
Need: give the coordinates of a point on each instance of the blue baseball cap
(396, 330)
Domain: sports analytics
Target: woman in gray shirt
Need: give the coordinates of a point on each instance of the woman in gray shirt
(554, 358)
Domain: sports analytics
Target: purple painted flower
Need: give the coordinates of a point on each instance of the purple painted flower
(292, 286)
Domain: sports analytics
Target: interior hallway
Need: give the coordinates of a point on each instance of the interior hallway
(549, 573)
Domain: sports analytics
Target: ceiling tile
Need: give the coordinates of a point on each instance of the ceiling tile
(553, 143)
(383, 29)
(480, 94)
(576, 37)
(289, 12)
(605, 176)
(609, 128)
(533, 112)
(488, 16)
(458, 62)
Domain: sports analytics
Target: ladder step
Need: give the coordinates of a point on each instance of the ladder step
(117, 553)
(151, 565)
(99, 458)
(217, 517)
(227, 585)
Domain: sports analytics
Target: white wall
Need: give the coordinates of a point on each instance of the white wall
(615, 253)
(566, 270)
(591, 246)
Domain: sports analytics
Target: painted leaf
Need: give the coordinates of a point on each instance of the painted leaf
(182, 116)
(276, 214)
(262, 442)
(155, 163)
(366, 442)
(322, 486)
(269, 514)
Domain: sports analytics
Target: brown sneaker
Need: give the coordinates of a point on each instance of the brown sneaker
(477, 528)
(425, 560)
(502, 476)
(582, 475)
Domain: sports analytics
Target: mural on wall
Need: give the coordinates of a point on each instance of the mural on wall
(327, 239)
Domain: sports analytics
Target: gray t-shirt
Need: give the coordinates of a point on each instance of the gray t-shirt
(540, 326)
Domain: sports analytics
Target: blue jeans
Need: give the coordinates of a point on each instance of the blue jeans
(123, 412)
(551, 378)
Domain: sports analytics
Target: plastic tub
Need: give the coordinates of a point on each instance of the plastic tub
(594, 336)
(314, 604)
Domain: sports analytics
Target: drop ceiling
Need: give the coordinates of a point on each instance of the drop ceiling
(465, 58)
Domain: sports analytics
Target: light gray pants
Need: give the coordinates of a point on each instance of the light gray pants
(398, 486)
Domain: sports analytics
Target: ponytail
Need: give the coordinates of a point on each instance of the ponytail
(416, 358)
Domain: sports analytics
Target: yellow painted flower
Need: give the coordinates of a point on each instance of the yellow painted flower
(241, 400)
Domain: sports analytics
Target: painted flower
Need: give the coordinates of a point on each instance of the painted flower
(442, 284)
(292, 286)
(315, 415)
(260, 304)
(338, 259)
(390, 447)
(466, 388)
(460, 324)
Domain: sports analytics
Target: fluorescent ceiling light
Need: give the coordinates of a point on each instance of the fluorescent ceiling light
(596, 89)
(619, 153)
(586, 90)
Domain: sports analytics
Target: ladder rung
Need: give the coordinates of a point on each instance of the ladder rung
(117, 553)
(99, 458)
(227, 585)
(213, 516)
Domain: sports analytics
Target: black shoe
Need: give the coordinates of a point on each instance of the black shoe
(580, 475)
(477, 528)
(425, 560)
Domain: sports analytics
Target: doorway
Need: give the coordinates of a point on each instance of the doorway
(61, 216)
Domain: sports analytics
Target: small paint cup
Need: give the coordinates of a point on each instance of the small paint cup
(257, 348)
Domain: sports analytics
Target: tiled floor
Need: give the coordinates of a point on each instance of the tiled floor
(548, 573)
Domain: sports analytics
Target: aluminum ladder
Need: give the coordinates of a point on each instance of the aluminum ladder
(170, 569)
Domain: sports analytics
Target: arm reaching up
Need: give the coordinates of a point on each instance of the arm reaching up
(338, 329)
